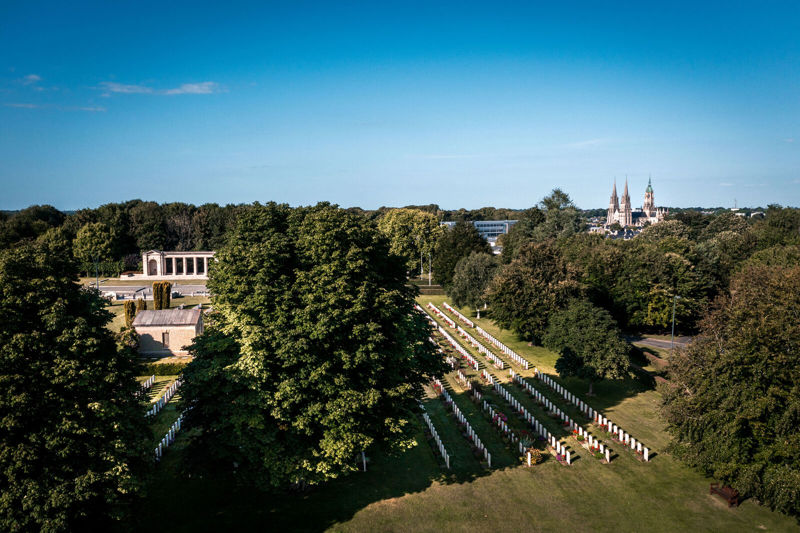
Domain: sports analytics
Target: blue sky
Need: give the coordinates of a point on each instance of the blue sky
(380, 103)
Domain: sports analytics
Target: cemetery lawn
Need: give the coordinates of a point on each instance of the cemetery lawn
(411, 492)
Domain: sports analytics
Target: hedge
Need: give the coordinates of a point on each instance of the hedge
(164, 369)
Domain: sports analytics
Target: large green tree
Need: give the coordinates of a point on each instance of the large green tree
(520, 233)
(322, 356)
(93, 245)
(733, 400)
(561, 218)
(471, 279)
(73, 434)
(527, 291)
(412, 235)
(588, 342)
(456, 243)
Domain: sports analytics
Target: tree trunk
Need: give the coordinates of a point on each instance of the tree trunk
(591, 385)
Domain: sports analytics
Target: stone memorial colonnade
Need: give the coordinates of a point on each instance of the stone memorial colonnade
(179, 265)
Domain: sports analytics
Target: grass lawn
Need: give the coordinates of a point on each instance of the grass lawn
(410, 492)
(169, 413)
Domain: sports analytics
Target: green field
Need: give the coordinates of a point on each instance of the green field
(412, 492)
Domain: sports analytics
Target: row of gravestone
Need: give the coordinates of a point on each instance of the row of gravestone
(435, 435)
(460, 349)
(467, 384)
(441, 315)
(537, 426)
(461, 317)
(169, 438)
(159, 404)
(470, 433)
(597, 417)
(148, 383)
(515, 357)
(505, 349)
(481, 348)
(593, 443)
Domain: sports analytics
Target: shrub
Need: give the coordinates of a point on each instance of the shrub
(130, 312)
(164, 369)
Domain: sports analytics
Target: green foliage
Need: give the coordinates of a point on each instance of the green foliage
(315, 358)
(162, 293)
(561, 218)
(780, 226)
(130, 312)
(29, 224)
(733, 402)
(164, 369)
(73, 438)
(412, 234)
(141, 305)
(725, 222)
(456, 243)
(520, 233)
(94, 243)
(588, 342)
(471, 278)
(527, 291)
(668, 228)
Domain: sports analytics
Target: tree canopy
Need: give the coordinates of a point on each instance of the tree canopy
(412, 234)
(733, 400)
(471, 279)
(73, 435)
(322, 354)
(456, 243)
(527, 291)
(588, 342)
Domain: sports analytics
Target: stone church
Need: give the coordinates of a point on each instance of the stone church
(621, 212)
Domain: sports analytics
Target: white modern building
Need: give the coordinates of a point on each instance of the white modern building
(489, 229)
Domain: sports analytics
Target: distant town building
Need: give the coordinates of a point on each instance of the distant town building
(157, 264)
(621, 212)
(489, 230)
(167, 332)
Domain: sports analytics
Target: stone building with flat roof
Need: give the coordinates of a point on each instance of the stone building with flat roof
(166, 332)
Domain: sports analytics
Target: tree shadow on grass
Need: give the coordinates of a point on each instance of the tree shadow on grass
(216, 504)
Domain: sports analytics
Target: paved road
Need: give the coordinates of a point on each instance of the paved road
(652, 342)
(183, 289)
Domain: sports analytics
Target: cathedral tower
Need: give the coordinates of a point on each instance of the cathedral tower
(613, 206)
(649, 206)
(625, 210)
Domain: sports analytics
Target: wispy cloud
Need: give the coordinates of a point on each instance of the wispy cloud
(789, 140)
(30, 79)
(726, 184)
(114, 87)
(91, 109)
(205, 87)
